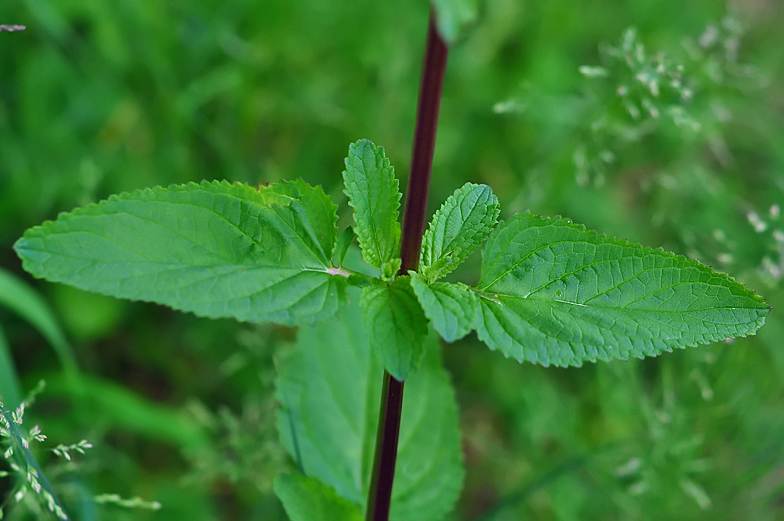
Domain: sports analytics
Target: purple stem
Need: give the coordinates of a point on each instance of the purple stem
(380, 494)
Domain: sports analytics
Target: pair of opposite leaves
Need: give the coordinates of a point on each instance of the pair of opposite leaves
(550, 292)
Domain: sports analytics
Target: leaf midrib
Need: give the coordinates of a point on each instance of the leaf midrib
(525, 257)
(171, 265)
(596, 306)
(483, 289)
(184, 237)
(380, 238)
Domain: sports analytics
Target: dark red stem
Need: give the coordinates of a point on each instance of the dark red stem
(424, 145)
(380, 495)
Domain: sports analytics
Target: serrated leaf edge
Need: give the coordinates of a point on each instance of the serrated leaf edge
(373, 255)
(693, 263)
(92, 210)
(431, 318)
(434, 271)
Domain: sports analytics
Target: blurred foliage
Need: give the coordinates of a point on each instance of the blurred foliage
(98, 97)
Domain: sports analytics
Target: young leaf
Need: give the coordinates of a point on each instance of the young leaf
(397, 324)
(450, 307)
(216, 249)
(454, 17)
(306, 499)
(555, 293)
(345, 239)
(458, 228)
(372, 191)
(329, 393)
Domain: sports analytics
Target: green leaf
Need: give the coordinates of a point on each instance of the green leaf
(329, 391)
(345, 239)
(457, 229)
(397, 324)
(215, 249)
(555, 293)
(450, 307)
(372, 191)
(453, 17)
(429, 471)
(306, 499)
(10, 391)
(23, 300)
(318, 211)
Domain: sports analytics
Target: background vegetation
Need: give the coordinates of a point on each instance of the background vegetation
(98, 97)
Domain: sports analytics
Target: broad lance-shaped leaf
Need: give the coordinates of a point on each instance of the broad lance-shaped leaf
(457, 229)
(216, 249)
(553, 292)
(372, 190)
(307, 499)
(397, 324)
(329, 390)
(450, 307)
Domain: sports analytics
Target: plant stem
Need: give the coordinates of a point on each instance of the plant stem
(380, 494)
(424, 145)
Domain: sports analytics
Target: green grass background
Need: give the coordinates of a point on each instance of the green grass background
(100, 96)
